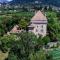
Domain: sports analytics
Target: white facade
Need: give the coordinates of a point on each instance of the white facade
(38, 26)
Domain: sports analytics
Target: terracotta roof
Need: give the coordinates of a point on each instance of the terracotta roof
(15, 30)
(38, 16)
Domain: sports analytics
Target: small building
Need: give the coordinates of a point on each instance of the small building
(38, 24)
(15, 29)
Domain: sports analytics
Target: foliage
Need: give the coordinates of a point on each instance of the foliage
(23, 23)
(40, 55)
(12, 56)
(26, 46)
(7, 21)
(53, 25)
(7, 42)
(49, 56)
(46, 40)
(23, 48)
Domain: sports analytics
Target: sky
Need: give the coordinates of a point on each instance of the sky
(5, 0)
(9, 0)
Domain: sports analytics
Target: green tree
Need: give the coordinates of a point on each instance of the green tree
(46, 40)
(40, 44)
(12, 56)
(25, 46)
(40, 41)
(7, 42)
(53, 25)
(50, 8)
(23, 23)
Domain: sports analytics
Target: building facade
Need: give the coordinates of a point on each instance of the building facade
(38, 24)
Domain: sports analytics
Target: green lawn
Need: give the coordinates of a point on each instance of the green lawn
(56, 54)
(19, 14)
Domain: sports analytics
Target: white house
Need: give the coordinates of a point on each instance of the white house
(38, 24)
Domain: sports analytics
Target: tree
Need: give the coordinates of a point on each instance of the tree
(11, 21)
(45, 8)
(46, 40)
(7, 23)
(58, 15)
(40, 44)
(24, 46)
(7, 42)
(50, 8)
(40, 41)
(24, 9)
(12, 56)
(53, 25)
(23, 23)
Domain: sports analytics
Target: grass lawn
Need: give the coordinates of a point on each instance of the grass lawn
(19, 14)
(56, 54)
(3, 55)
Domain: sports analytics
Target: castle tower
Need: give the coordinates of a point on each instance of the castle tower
(38, 24)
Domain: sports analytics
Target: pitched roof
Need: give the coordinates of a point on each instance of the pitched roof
(38, 16)
(15, 30)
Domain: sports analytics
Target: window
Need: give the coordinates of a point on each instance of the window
(41, 30)
(36, 30)
(37, 26)
(18, 28)
(42, 26)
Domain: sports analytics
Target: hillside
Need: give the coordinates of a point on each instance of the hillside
(47, 2)
(44, 2)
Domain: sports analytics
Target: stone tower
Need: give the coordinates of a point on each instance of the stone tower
(38, 24)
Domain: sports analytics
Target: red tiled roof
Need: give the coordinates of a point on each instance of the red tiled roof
(38, 16)
(15, 30)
